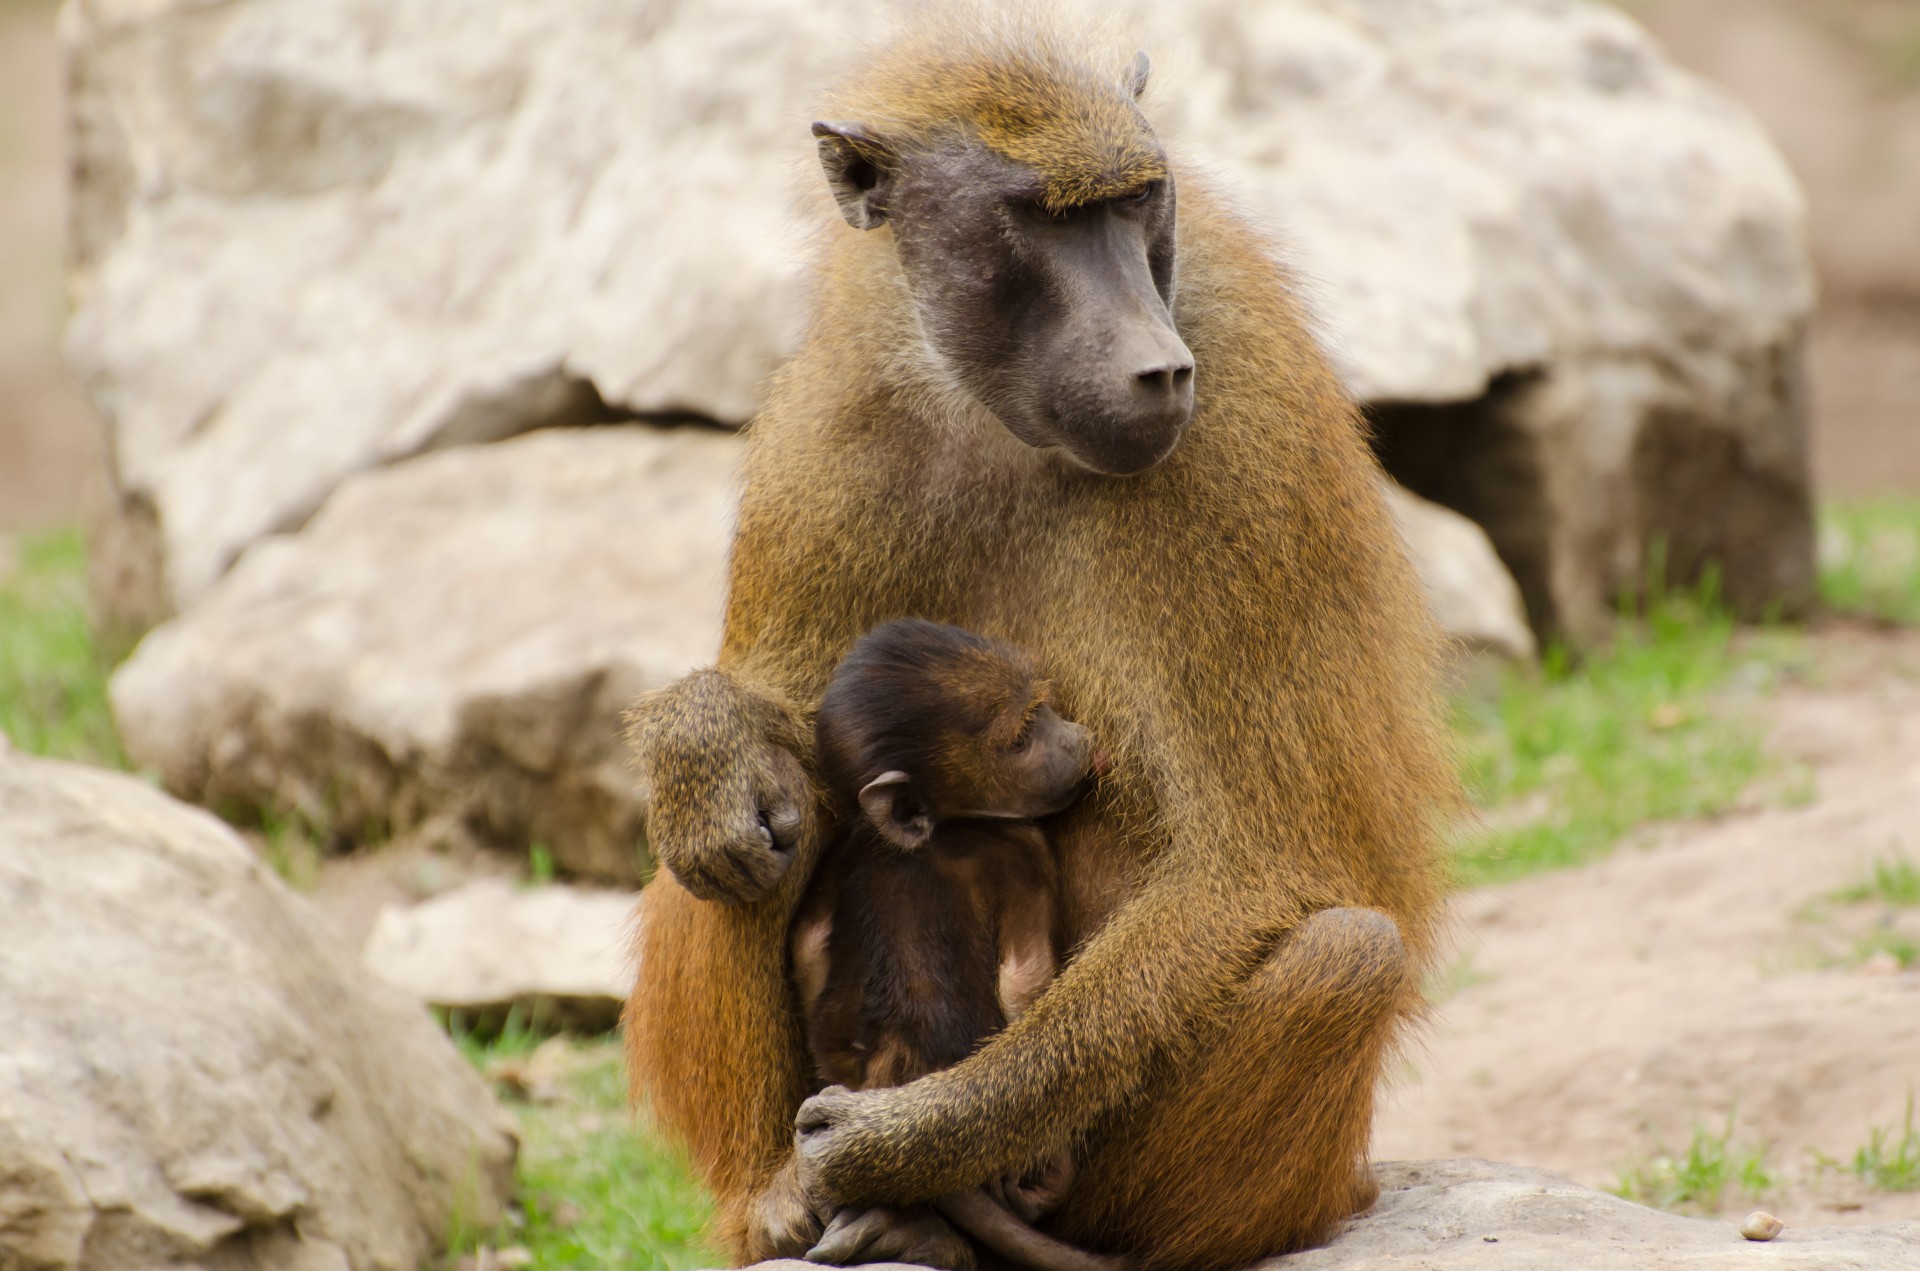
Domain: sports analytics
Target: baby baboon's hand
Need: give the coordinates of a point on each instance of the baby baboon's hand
(728, 796)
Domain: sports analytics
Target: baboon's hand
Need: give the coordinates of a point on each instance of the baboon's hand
(727, 793)
(857, 1147)
(781, 1222)
(882, 1234)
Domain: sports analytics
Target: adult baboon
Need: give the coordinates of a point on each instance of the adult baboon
(995, 421)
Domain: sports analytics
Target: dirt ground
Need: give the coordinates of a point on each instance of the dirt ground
(1605, 1012)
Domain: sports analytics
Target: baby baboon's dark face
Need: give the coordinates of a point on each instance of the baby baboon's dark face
(1040, 771)
(929, 723)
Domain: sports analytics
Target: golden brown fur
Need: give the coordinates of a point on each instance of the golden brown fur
(1024, 92)
(1240, 629)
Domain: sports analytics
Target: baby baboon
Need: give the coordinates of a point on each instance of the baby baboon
(1055, 391)
(933, 920)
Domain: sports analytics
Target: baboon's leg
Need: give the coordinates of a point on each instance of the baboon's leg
(1261, 1147)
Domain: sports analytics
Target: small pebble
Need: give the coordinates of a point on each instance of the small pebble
(1761, 1225)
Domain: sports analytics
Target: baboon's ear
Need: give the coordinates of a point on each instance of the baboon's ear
(886, 801)
(1136, 77)
(859, 168)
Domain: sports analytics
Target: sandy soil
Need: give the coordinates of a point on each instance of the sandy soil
(1607, 1011)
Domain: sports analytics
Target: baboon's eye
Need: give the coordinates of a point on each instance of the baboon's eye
(1142, 194)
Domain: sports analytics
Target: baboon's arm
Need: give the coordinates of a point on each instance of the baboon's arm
(713, 1038)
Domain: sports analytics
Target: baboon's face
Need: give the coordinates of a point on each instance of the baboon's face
(1060, 323)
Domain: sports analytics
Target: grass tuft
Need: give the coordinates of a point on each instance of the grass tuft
(1891, 1159)
(1568, 760)
(540, 867)
(1886, 941)
(1895, 880)
(1870, 559)
(593, 1188)
(1697, 1179)
(53, 662)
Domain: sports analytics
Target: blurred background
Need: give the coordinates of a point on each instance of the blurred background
(362, 543)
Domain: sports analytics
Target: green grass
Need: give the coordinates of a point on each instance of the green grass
(593, 1189)
(1891, 1158)
(1870, 559)
(540, 868)
(53, 662)
(1698, 1179)
(1901, 947)
(1894, 880)
(1568, 759)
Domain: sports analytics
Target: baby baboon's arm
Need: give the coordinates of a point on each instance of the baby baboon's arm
(1028, 950)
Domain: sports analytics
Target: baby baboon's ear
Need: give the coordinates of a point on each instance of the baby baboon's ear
(1136, 77)
(859, 168)
(888, 802)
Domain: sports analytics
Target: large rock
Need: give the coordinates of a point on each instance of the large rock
(314, 236)
(1471, 594)
(453, 637)
(1481, 1216)
(193, 1073)
(554, 955)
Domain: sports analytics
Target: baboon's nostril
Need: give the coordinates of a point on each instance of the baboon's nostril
(1167, 379)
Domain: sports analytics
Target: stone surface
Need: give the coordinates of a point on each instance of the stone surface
(1472, 595)
(314, 236)
(193, 1071)
(1472, 1215)
(452, 638)
(556, 954)
(1467, 1214)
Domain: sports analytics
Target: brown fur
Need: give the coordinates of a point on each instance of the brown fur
(1031, 100)
(1238, 625)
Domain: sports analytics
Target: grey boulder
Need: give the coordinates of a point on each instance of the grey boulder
(555, 954)
(1469, 592)
(193, 1073)
(450, 643)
